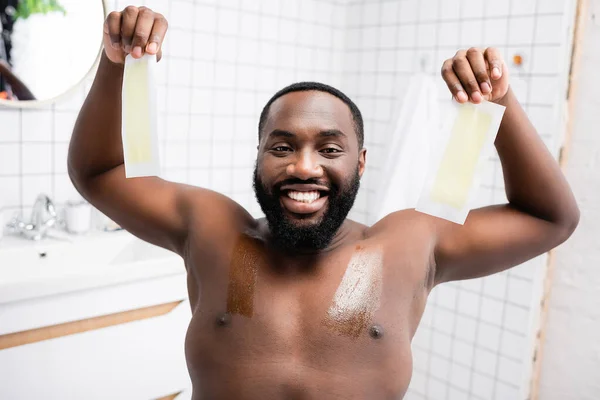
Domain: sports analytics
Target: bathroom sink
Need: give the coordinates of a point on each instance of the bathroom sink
(95, 260)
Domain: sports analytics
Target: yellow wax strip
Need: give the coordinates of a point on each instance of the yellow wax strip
(457, 168)
(137, 120)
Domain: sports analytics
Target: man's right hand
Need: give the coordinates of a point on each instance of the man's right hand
(135, 31)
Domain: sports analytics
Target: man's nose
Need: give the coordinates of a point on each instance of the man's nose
(305, 166)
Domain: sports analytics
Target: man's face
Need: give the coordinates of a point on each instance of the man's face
(308, 168)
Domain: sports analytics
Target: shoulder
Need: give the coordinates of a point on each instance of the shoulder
(408, 222)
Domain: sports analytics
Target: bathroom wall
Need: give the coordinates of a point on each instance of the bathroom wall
(225, 58)
(476, 337)
(570, 357)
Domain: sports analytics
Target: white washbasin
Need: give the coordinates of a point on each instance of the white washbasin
(80, 262)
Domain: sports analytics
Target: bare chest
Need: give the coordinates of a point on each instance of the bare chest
(352, 315)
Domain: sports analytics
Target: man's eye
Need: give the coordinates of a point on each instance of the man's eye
(331, 150)
(282, 148)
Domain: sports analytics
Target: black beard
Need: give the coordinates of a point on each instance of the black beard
(288, 235)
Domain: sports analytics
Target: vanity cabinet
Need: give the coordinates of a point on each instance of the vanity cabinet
(122, 341)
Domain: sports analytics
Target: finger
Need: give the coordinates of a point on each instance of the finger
(462, 69)
(112, 27)
(458, 92)
(143, 28)
(495, 61)
(480, 69)
(128, 21)
(159, 30)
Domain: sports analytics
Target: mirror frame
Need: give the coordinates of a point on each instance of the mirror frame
(33, 104)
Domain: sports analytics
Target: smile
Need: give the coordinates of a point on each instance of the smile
(304, 201)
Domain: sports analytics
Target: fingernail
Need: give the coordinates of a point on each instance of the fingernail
(116, 45)
(461, 96)
(128, 48)
(137, 51)
(485, 87)
(152, 48)
(497, 72)
(476, 96)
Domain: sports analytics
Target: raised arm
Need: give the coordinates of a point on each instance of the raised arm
(151, 208)
(541, 212)
(17, 86)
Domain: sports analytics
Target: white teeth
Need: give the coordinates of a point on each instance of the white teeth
(304, 197)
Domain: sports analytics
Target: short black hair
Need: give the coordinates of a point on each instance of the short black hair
(321, 87)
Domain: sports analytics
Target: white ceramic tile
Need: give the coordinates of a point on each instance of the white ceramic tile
(224, 130)
(269, 29)
(406, 36)
(495, 33)
(271, 7)
(10, 193)
(485, 362)
(176, 155)
(408, 11)
(460, 376)
(221, 155)
(491, 311)
(10, 159)
(203, 74)
(472, 8)
(390, 12)
(200, 128)
(427, 34)
(543, 90)
(289, 9)
(505, 391)
(63, 125)
(178, 128)
(448, 34)
(228, 22)
(552, 6)
(419, 382)
(180, 71)
(436, 389)
(36, 158)
(441, 343)
(11, 125)
(200, 177)
(245, 103)
(520, 31)
(37, 125)
(221, 180)
(180, 44)
(178, 100)
(61, 151)
(202, 101)
(428, 10)
(182, 14)
(34, 185)
(370, 13)
(463, 353)
(520, 291)
(496, 8)
(249, 26)
(543, 118)
(227, 49)
(488, 336)
(516, 318)
(550, 30)
(205, 19)
(176, 175)
(465, 328)
(449, 10)
(204, 46)
(509, 371)
(72, 100)
(524, 7)
(288, 32)
(482, 386)
(547, 60)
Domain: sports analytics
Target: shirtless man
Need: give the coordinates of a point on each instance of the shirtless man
(307, 304)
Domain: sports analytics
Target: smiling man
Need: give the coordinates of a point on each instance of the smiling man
(307, 304)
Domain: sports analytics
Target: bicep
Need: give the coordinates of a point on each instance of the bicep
(150, 208)
(492, 239)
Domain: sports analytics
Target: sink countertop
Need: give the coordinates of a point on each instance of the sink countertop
(30, 269)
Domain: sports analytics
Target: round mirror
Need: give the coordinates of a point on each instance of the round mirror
(47, 47)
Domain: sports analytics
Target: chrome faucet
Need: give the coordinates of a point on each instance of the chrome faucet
(43, 217)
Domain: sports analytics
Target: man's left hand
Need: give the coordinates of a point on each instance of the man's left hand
(475, 75)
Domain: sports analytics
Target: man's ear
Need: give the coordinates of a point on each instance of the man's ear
(362, 160)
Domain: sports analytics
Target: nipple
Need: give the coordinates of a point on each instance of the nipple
(223, 319)
(376, 332)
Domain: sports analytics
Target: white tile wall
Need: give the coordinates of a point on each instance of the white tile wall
(475, 337)
(224, 59)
